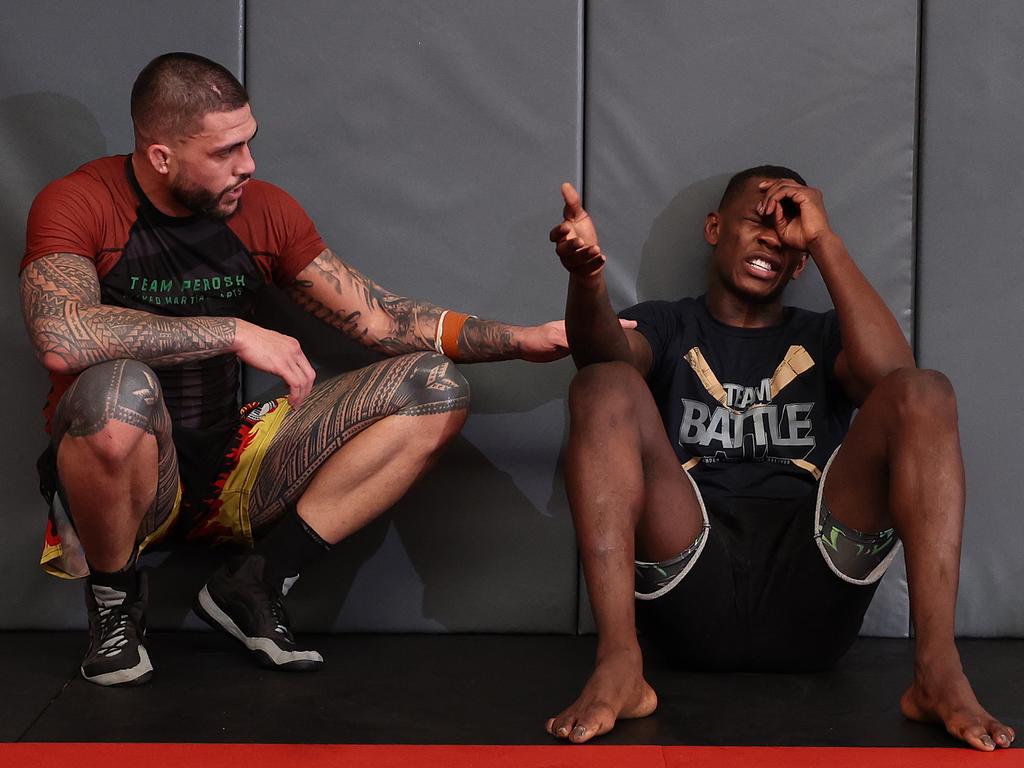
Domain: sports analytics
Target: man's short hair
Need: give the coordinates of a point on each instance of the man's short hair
(737, 182)
(175, 91)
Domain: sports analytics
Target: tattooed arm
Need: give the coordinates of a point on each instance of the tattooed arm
(71, 330)
(331, 290)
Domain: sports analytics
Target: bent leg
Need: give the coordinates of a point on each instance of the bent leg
(118, 473)
(115, 459)
(359, 442)
(350, 452)
(629, 498)
(901, 467)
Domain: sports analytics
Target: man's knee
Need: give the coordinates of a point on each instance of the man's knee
(433, 385)
(610, 388)
(920, 395)
(112, 405)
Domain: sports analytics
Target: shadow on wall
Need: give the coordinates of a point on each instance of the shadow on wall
(466, 549)
(674, 258)
(463, 550)
(43, 136)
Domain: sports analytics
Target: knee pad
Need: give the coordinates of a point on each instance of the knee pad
(432, 384)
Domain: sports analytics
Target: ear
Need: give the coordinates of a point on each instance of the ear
(800, 267)
(711, 224)
(159, 155)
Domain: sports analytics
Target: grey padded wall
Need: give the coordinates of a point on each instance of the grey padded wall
(971, 282)
(66, 71)
(680, 95)
(428, 140)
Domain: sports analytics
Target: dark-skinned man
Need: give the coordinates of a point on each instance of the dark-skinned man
(721, 496)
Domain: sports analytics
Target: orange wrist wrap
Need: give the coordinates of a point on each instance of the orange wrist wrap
(453, 323)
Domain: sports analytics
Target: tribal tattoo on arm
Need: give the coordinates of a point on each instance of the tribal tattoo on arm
(71, 330)
(345, 299)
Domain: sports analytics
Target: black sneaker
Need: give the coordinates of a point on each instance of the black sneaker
(117, 624)
(238, 601)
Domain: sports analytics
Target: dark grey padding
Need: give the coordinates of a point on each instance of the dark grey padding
(681, 95)
(67, 75)
(971, 279)
(428, 143)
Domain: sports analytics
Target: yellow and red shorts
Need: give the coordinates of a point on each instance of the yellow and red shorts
(220, 515)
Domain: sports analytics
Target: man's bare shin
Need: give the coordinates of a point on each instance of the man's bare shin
(901, 466)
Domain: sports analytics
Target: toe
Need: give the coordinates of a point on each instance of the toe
(561, 726)
(978, 738)
(1002, 734)
(582, 733)
(593, 723)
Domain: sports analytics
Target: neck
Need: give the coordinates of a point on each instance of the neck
(155, 187)
(729, 309)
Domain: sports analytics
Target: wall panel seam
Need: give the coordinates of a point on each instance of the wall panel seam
(915, 210)
(241, 43)
(581, 160)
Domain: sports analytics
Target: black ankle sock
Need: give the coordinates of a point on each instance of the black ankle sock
(289, 547)
(123, 579)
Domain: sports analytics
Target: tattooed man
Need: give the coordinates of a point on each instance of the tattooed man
(763, 551)
(137, 278)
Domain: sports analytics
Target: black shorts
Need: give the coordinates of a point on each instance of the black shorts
(760, 595)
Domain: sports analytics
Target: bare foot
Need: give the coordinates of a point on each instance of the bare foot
(615, 690)
(941, 694)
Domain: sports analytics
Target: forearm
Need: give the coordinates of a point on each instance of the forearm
(873, 342)
(345, 299)
(591, 325)
(71, 330)
(396, 326)
(85, 336)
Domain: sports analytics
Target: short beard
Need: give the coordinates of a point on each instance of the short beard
(201, 201)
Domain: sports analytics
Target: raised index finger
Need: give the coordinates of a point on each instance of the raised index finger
(573, 209)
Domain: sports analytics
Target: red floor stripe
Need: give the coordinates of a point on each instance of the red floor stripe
(555, 756)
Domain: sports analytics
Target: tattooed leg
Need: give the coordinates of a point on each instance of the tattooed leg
(359, 442)
(115, 459)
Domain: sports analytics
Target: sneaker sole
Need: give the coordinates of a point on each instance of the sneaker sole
(137, 675)
(266, 651)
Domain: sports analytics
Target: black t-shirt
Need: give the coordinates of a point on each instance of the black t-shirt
(173, 266)
(753, 412)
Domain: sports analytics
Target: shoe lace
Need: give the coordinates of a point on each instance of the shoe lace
(274, 603)
(113, 633)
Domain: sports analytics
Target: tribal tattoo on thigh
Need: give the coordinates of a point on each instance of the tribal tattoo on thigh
(409, 385)
(120, 390)
(128, 392)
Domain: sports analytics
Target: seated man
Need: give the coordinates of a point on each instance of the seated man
(137, 278)
(764, 551)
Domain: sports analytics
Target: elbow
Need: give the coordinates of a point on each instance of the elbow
(57, 364)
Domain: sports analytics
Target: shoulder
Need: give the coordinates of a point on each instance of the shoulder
(811, 328)
(261, 198)
(107, 174)
(76, 213)
(800, 318)
(681, 309)
(96, 181)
